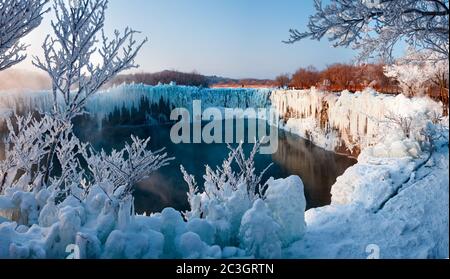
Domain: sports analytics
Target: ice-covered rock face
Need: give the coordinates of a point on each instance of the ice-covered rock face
(131, 97)
(350, 122)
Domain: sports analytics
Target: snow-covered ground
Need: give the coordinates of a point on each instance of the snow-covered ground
(396, 207)
(393, 203)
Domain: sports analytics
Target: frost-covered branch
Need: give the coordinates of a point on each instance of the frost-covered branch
(418, 71)
(68, 57)
(376, 26)
(224, 181)
(17, 19)
(69, 182)
(192, 184)
(68, 54)
(125, 168)
(28, 142)
(404, 123)
(247, 170)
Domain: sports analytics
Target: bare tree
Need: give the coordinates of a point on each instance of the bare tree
(376, 26)
(67, 54)
(68, 58)
(305, 78)
(17, 19)
(283, 80)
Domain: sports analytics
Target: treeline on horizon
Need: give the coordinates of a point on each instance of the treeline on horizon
(190, 79)
(164, 77)
(339, 77)
(335, 77)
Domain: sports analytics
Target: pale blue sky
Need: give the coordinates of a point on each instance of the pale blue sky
(232, 38)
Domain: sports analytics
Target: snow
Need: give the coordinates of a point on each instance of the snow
(394, 198)
(286, 201)
(259, 233)
(411, 220)
(347, 122)
(102, 234)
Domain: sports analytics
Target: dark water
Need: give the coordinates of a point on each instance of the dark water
(317, 167)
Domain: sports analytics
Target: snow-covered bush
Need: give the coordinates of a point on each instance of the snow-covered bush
(409, 134)
(127, 167)
(227, 194)
(26, 145)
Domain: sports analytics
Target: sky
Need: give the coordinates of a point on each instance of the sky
(231, 38)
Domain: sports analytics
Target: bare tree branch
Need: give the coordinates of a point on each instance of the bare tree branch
(376, 26)
(17, 19)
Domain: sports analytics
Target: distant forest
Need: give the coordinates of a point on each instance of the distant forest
(190, 79)
(335, 77)
(339, 77)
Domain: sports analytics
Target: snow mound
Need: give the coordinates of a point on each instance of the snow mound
(259, 233)
(286, 201)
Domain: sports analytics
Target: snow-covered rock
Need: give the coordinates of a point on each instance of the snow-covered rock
(259, 233)
(286, 201)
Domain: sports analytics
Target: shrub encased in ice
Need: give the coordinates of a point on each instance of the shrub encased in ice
(191, 246)
(227, 194)
(259, 233)
(286, 201)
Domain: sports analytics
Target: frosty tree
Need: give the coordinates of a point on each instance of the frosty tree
(418, 72)
(68, 58)
(17, 19)
(68, 54)
(376, 26)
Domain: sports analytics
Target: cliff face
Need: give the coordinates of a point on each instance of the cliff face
(346, 122)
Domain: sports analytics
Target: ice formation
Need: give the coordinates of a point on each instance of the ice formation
(345, 122)
(395, 198)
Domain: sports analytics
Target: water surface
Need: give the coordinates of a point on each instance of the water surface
(317, 167)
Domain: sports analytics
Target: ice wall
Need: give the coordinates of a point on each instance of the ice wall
(345, 122)
(130, 96)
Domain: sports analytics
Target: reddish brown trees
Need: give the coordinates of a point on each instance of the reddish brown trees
(339, 77)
